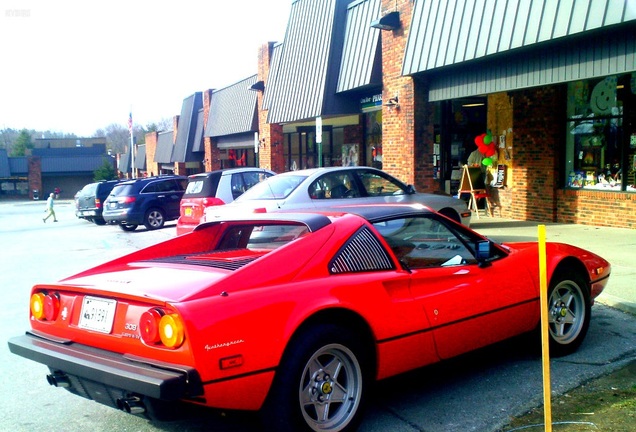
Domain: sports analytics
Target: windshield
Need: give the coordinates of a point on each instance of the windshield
(276, 187)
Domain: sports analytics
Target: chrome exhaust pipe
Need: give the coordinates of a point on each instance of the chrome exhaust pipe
(58, 380)
(132, 405)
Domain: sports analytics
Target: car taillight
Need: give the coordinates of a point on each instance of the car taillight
(51, 306)
(156, 326)
(98, 203)
(45, 306)
(37, 305)
(171, 330)
(149, 326)
(212, 201)
(128, 200)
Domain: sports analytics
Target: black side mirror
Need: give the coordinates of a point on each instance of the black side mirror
(410, 189)
(483, 252)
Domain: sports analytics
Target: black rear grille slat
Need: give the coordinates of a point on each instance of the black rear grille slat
(224, 264)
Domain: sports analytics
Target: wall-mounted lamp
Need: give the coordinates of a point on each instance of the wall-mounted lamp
(390, 21)
(258, 86)
(394, 102)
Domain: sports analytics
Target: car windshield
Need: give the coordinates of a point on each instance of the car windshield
(276, 187)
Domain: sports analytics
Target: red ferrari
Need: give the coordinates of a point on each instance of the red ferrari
(296, 314)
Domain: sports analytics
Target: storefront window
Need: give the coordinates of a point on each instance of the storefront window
(302, 151)
(373, 138)
(600, 144)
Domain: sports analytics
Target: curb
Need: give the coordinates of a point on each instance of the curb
(617, 303)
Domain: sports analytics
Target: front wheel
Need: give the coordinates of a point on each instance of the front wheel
(569, 311)
(319, 384)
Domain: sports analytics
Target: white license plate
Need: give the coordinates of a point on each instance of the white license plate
(97, 314)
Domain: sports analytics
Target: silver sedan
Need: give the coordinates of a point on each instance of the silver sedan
(337, 186)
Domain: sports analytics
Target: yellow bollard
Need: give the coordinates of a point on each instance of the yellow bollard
(545, 338)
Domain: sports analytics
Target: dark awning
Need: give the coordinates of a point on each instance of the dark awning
(186, 130)
(361, 55)
(164, 147)
(307, 74)
(475, 48)
(233, 110)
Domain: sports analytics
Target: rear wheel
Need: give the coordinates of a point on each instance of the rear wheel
(127, 227)
(154, 219)
(569, 311)
(320, 382)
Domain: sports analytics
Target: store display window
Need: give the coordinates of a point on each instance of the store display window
(600, 144)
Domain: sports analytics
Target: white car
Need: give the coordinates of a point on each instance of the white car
(334, 187)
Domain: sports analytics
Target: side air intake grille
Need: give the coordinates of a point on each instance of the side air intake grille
(362, 253)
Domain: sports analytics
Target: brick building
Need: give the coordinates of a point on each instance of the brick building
(63, 163)
(408, 85)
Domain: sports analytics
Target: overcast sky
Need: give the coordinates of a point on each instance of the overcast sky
(78, 66)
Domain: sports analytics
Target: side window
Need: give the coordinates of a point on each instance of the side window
(335, 185)
(252, 178)
(238, 185)
(182, 184)
(152, 187)
(422, 242)
(166, 186)
(376, 185)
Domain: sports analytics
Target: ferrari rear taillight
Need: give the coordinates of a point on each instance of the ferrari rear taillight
(37, 305)
(45, 307)
(51, 306)
(149, 326)
(157, 326)
(171, 330)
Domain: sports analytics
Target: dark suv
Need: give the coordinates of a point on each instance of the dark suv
(89, 201)
(150, 201)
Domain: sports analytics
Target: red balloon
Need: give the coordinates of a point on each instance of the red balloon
(479, 140)
(491, 151)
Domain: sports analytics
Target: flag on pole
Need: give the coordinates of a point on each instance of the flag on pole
(130, 123)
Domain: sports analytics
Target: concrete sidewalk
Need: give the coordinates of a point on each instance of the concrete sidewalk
(617, 245)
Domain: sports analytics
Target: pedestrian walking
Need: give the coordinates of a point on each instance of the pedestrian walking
(49, 208)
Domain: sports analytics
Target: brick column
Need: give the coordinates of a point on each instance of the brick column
(398, 123)
(271, 151)
(35, 176)
(152, 167)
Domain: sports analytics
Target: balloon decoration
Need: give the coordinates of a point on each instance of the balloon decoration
(487, 162)
(485, 145)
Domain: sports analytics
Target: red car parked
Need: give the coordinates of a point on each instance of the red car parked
(212, 189)
(295, 314)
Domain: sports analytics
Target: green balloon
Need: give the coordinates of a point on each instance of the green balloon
(487, 162)
(487, 139)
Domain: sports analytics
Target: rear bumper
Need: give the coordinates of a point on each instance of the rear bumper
(125, 372)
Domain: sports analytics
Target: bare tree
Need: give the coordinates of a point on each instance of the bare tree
(117, 137)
